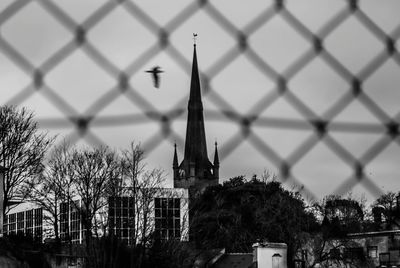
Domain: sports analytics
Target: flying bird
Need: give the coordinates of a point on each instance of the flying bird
(155, 71)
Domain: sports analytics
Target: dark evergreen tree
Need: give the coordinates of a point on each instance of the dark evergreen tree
(239, 213)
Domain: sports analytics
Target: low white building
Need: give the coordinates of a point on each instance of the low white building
(163, 213)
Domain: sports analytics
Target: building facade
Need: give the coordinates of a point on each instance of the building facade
(25, 219)
(381, 248)
(163, 213)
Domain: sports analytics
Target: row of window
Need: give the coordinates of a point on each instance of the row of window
(28, 222)
(121, 212)
(121, 220)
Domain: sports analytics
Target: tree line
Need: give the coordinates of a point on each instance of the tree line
(232, 215)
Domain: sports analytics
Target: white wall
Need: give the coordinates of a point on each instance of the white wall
(264, 253)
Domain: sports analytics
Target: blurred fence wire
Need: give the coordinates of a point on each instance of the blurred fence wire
(321, 125)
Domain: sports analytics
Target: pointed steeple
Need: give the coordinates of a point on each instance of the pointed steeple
(216, 158)
(195, 144)
(175, 163)
(216, 163)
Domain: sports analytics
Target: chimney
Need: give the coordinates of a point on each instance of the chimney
(270, 255)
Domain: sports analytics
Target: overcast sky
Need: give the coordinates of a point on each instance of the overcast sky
(122, 38)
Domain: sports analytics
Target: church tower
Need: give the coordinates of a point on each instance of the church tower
(195, 172)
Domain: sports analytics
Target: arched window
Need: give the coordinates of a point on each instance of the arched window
(276, 260)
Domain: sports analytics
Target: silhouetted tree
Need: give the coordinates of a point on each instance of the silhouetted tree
(22, 150)
(340, 216)
(239, 213)
(327, 245)
(321, 251)
(386, 209)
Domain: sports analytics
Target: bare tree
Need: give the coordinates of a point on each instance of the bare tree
(52, 187)
(22, 150)
(144, 186)
(133, 164)
(141, 186)
(329, 246)
(87, 179)
(91, 171)
(321, 251)
(387, 208)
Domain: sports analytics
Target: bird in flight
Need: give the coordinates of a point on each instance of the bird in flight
(155, 71)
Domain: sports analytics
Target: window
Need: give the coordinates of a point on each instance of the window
(276, 260)
(75, 222)
(372, 252)
(38, 223)
(12, 223)
(121, 217)
(384, 259)
(167, 218)
(70, 222)
(29, 222)
(5, 224)
(20, 222)
(64, 216)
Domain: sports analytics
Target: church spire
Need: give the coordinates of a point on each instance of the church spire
(196, 171)
(195, 144)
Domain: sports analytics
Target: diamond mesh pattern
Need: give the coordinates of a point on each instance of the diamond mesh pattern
(280, 76)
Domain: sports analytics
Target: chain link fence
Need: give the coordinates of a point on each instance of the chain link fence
(321, 124)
